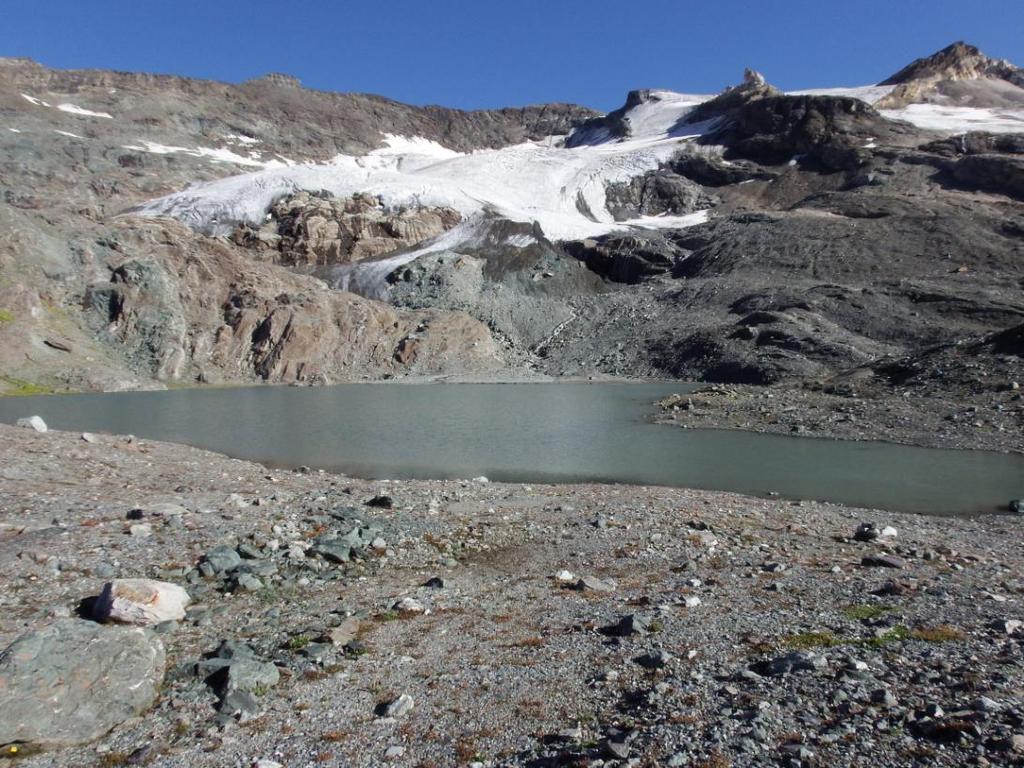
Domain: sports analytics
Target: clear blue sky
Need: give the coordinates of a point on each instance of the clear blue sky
(481, 53)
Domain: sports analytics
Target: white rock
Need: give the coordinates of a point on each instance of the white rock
(409, 605)
(141, 601)
(33, 422)
(565, 576)
(400, 706)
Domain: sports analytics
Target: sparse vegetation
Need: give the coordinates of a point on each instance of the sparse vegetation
(865, 611)
(807, 640)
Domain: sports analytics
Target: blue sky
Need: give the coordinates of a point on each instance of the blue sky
(479, 53)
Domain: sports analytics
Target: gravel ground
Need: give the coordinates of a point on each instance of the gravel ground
(505, 663)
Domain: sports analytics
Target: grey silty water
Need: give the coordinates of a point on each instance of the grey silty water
(560, 432)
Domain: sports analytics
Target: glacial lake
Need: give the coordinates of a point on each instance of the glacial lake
(559, 432)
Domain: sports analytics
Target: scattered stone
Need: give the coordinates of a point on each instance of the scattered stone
(882, 561)
(632, 624)
(594, 584)
(33, 422)
(866, 532)
(143, 602)
(409, 605)
(248, 582)
(222, 559)
(401, 706)
(798, 661)
(344, 633)
(884, 698)
(1007, 626)
(74, 680)
(332, 549)
(655, 660)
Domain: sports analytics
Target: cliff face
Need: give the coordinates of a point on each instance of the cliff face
(91, 298)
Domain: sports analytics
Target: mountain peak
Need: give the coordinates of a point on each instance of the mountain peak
(959, 74)
(751, 77)
(958, 61)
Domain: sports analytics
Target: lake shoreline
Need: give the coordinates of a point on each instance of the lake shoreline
(884, 415)
(694, 605)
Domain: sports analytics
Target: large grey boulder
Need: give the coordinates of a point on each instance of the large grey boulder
(74, 680)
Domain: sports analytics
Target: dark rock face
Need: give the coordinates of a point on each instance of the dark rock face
(830, 130)
(626, 258)
(73, 681)
(992, 173)
(977, 143)
(659, 192)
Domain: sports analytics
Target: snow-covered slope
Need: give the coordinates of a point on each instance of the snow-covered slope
(951, 120)
(561, 189)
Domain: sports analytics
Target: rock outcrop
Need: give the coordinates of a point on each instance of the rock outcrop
(309, 230)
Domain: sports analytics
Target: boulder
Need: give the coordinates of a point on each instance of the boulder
(74, 680)
(143, 602)
(33, 422)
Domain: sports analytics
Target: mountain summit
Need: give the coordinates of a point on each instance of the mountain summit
(959, 75)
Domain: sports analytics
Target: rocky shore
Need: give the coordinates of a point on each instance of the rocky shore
(307, 619)
(954, 419)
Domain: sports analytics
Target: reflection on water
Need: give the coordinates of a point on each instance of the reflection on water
(533, 433)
